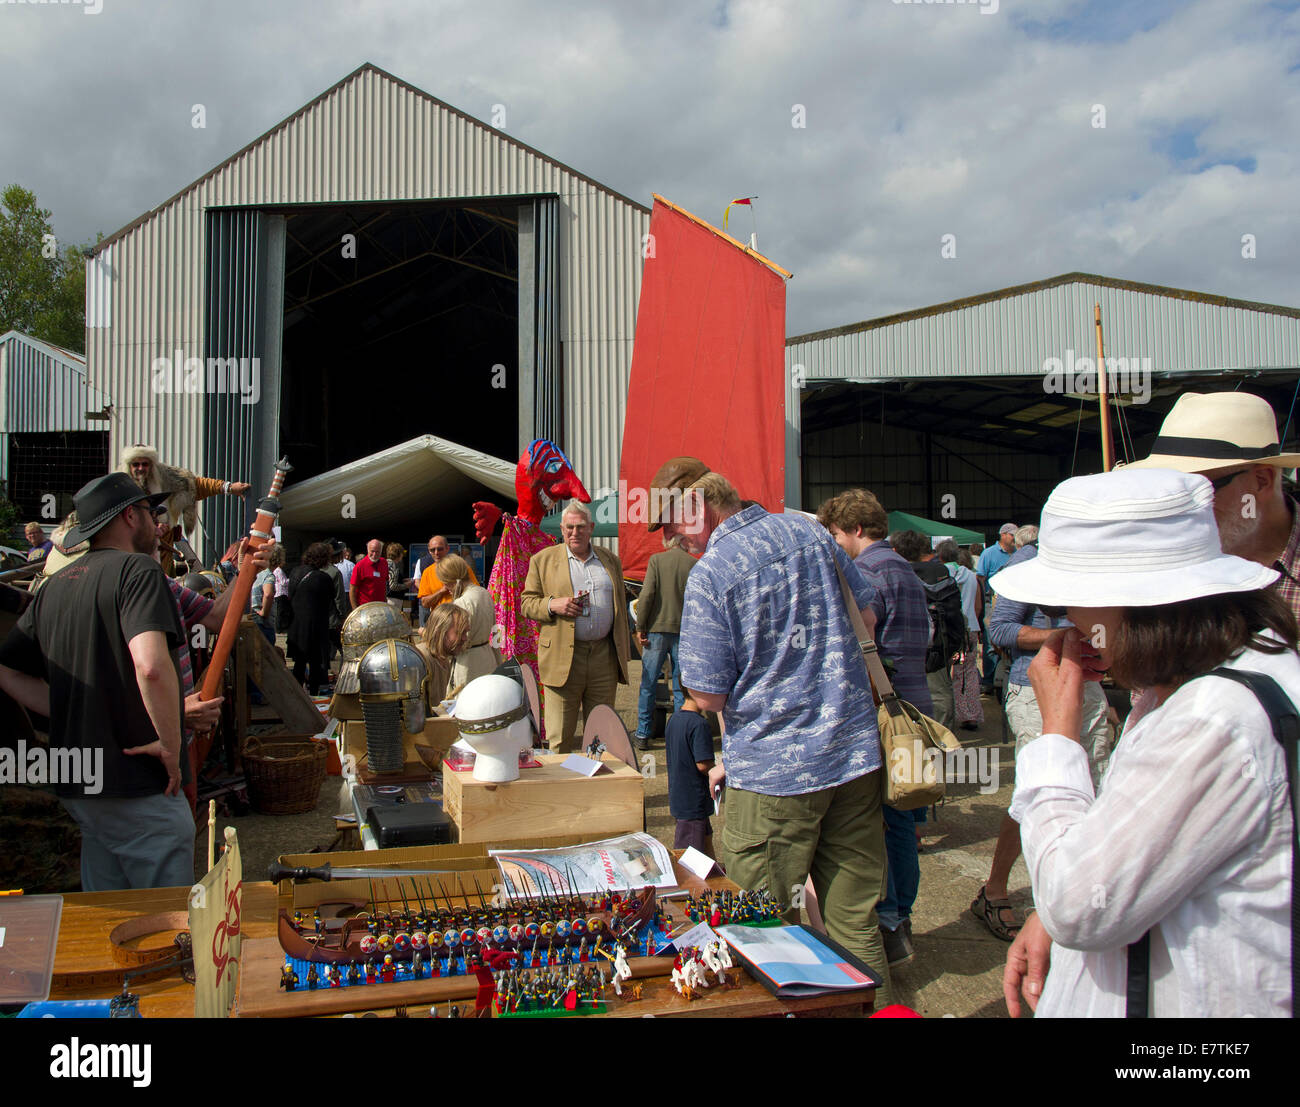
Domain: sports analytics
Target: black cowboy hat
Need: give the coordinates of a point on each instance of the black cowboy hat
(102, 500)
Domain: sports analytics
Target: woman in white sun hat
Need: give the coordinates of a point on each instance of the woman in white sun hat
(1190, 836)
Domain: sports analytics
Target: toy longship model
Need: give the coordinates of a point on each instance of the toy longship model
(548, 929)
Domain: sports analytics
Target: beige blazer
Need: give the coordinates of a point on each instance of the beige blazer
(548, 576)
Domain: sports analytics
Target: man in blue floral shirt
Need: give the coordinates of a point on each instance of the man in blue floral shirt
(766, 639)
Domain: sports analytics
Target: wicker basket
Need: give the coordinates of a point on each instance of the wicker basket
(284, 778)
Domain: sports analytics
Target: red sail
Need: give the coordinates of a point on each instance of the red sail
(708, 371)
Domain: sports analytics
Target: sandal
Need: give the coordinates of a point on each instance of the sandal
(989, 912)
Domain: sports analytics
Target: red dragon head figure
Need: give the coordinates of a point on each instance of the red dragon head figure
(543, 478)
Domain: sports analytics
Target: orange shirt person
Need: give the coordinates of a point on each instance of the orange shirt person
(432, 591)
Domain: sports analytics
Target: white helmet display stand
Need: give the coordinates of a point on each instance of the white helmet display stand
(494, 719)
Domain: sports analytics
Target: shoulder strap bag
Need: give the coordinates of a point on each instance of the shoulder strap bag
(910, 743)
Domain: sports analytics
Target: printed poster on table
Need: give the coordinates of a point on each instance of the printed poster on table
(626, 863)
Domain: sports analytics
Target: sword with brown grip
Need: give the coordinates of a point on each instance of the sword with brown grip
(258, 537)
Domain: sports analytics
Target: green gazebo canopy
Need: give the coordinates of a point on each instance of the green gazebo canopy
(901, 520)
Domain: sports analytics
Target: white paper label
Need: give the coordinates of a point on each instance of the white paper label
(584, 766)
(698, 863)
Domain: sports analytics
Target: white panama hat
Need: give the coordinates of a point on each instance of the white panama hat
(1130, 538)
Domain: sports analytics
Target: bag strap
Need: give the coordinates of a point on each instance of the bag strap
(1285, 721)
(870, 655)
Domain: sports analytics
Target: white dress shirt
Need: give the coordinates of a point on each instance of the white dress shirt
(1190, 838)
(589, 575)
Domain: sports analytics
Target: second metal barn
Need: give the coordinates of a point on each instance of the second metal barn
(956, 411)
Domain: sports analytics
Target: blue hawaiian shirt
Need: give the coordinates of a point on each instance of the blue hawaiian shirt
(764, 623)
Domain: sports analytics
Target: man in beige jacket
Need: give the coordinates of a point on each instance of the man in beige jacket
(575, 591)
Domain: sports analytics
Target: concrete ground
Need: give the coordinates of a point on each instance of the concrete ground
(957, 970)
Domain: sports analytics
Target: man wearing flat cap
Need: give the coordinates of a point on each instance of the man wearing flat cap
(1231, 439)
(767, 640)
(94, 653)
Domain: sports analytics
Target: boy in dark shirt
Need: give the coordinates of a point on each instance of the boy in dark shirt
(689, 747)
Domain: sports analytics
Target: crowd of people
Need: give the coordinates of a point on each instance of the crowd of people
(1158, 836)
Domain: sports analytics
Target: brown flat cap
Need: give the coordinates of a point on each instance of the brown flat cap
(677, 473)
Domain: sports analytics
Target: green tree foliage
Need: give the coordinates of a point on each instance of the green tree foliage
(42, 288)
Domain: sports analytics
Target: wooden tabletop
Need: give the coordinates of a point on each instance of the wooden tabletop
(89, 918)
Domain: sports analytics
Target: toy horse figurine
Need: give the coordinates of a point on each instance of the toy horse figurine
(543, 478)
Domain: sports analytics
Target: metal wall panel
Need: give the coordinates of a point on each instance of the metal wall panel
(44, 388)
(370, 138)
(1015, 335)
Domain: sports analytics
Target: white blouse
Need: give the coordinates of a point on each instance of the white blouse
(1190, 838)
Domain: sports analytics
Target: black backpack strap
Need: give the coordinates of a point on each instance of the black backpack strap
(1138, 995)
(1285, 720)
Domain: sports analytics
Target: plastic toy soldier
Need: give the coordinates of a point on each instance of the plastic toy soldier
(288, 978)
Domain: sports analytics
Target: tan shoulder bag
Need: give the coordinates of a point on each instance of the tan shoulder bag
(911, 744)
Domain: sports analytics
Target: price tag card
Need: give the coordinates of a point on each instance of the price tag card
(584, 766)
(698, 863)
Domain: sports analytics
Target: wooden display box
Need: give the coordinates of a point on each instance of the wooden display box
(345, 707)
(439, 733)
(546, 800)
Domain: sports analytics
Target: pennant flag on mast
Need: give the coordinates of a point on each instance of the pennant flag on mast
(746, 200)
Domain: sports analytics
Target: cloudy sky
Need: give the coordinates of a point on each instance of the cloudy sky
(920, 120)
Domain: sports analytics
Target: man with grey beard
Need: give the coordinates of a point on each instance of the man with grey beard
(1230, 438)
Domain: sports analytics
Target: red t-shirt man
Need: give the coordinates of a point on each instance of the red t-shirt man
(369, 581)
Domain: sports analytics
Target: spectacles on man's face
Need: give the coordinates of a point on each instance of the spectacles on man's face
(1220, 483)
(147, 507)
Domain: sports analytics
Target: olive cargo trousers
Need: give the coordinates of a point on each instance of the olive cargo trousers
(837, 837)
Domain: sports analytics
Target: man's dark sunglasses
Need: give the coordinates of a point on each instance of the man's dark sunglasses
(156, 512)
(1222, 482)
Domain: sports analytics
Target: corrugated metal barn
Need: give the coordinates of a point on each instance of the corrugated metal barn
(53, 432)
(973, 410)
(377, 267)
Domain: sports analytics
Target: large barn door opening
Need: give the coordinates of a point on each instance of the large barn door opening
(243, 320)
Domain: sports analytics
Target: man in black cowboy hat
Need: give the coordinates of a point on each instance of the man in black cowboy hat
(93, 652)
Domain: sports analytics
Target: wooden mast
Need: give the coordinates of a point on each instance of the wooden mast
(1107, 449)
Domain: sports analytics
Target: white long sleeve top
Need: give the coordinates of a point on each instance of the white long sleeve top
(1190, 838)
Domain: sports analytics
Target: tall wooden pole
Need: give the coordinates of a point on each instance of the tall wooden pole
(1107, 449)
(242, 586)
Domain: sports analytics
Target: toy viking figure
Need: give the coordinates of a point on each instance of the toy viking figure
(185, 490)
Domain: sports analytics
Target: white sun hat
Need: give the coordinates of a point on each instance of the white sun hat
(1131, 538)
